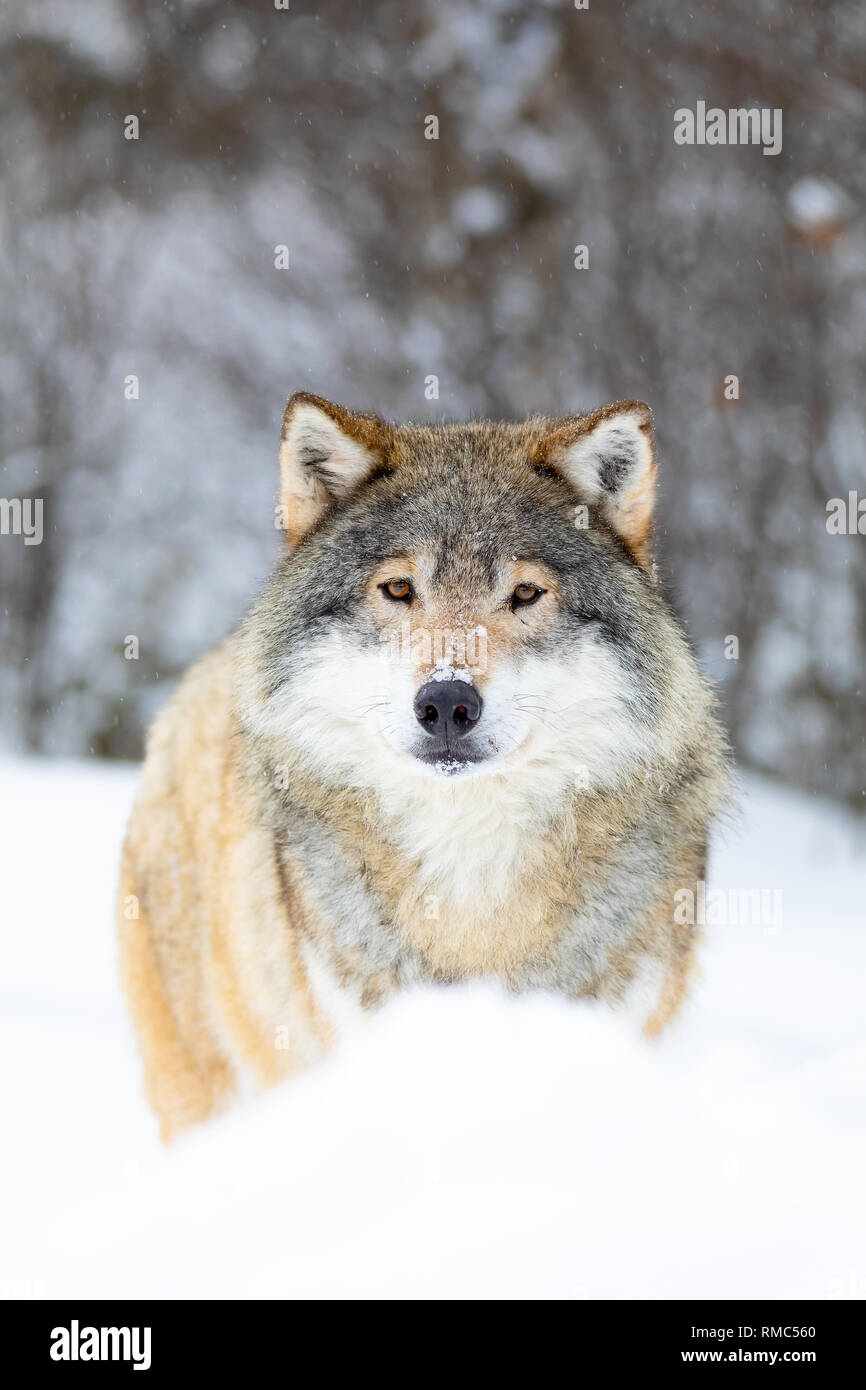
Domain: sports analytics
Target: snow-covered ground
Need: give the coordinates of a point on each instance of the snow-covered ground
(468, 1144)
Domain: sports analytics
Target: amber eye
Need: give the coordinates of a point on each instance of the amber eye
(400, 590)
(524, 594)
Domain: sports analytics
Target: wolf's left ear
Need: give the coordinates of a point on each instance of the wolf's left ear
(326, 452)
(609, 458)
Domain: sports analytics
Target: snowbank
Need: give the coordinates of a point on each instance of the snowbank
(468, 1144)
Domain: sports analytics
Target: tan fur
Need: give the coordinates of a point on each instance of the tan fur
(192, 961)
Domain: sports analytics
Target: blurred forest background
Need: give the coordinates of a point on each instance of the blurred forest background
(411, 257)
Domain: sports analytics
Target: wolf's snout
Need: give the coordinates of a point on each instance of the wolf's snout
(448, 708)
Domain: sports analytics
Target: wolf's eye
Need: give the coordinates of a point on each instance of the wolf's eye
(525, 594)
(400, 590)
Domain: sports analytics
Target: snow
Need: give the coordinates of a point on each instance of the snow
(466, 1144)
(815, 203)
(480, 211)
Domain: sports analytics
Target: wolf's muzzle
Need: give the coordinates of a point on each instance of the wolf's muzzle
(448, 709)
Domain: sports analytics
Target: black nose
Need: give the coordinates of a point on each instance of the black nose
(448, 709)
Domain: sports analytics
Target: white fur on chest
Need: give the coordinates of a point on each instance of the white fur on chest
(472, 842)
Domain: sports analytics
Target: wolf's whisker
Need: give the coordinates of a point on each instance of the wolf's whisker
(368, 709)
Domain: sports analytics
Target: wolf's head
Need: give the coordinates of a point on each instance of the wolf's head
(467, 600)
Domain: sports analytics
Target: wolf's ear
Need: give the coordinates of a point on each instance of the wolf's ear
(609, 458)
(326, 452)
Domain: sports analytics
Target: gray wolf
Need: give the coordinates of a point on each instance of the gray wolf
(460, 734)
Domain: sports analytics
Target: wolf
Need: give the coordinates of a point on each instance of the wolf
(461, 733)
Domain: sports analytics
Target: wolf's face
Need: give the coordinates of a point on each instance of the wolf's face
(464, 600)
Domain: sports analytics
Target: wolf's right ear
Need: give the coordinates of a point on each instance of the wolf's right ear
(326, 452)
